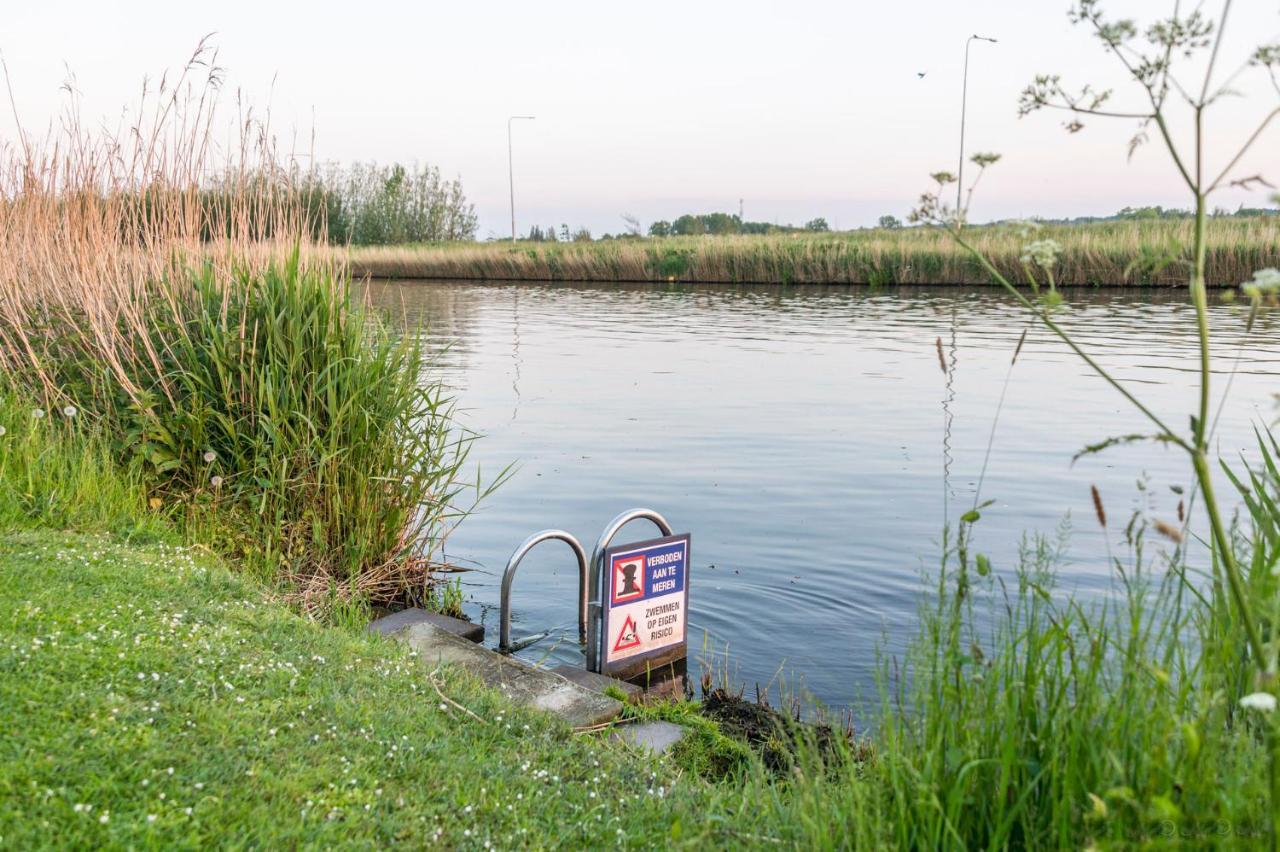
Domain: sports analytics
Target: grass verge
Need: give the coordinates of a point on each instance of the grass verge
(165, 702)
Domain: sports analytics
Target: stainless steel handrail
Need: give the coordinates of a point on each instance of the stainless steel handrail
(509, 575)
(597, 571)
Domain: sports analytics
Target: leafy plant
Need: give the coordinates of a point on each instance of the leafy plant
(1149, 57)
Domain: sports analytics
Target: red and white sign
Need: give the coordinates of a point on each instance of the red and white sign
(628, 636)
(628, 579)
(644, 620)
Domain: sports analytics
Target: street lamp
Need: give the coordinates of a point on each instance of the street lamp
(511, 179)
(964, 102)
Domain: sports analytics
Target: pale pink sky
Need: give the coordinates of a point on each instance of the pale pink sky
(801, 108)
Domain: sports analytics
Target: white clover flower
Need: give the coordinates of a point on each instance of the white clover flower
(209, 456)
(1043, 253)
(37, 413)
(69, 410)
(1263, 702)
(3, 431)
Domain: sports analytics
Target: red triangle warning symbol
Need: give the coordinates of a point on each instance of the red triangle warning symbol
(629, 637)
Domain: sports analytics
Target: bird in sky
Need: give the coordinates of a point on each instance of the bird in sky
(921, 74)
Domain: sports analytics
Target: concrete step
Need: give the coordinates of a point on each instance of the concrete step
(538, 688)
(389, 623)
(654, 737)
(597, 682)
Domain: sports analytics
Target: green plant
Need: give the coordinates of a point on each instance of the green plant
(1149, 58)
(446, 597)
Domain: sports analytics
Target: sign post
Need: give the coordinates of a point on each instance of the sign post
(644, 601)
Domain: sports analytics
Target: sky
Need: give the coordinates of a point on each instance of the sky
(794, 109)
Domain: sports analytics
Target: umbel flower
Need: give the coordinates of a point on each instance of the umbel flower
(1043, 253)
(1263, 702)
(1265, 280)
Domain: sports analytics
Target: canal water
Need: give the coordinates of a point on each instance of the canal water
(811, 442)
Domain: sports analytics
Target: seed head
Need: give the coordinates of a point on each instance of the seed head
(1097, 507)
(1169, 531)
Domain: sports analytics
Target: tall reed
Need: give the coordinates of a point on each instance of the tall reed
(162, 291)
(1099, 254)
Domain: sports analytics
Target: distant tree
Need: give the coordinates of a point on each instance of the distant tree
(368, 204)
(582, 235)
(817, 225)
(890, 223)
(660, 228)
(634, 227)
(722, 223)
(688, 225)
(550, 233)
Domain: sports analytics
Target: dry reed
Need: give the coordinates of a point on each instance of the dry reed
(1099, 254)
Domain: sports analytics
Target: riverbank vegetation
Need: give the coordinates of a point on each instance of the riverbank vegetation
(1131, 252)
(174, 406)
(196, 707)
(255, 401)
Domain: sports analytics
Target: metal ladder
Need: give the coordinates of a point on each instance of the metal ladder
(589, 581)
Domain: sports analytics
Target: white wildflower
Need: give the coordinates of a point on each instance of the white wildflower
(37, 413)
(1043, 253)
(1263, 702)
(215, 481)
(209, 456)
(69, 411)
(105, 818)
(3, 431)
(1025, 227)
(1264, 280)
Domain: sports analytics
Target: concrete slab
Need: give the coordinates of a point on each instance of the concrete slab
(597, 682)
(390, 623)
(525, 685)
(656, 737)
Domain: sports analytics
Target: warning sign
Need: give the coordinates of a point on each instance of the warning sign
(627, 636)
(628, 580)
(644, 622)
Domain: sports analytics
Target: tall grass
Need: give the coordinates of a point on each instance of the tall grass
(1101, 254)
(58, 471)
(253, 398)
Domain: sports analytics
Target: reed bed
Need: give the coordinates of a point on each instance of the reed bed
(1098, 254)
(221, 360)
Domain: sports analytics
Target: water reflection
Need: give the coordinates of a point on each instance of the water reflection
(797, 433)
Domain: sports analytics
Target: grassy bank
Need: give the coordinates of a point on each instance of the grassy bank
(1099, 254)
(164, 700)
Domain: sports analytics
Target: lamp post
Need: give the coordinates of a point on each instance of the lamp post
(511, 178)
(964, 103)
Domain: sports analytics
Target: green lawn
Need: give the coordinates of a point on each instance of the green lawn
(153, 699)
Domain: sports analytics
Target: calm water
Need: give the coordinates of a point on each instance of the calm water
(801, 435)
